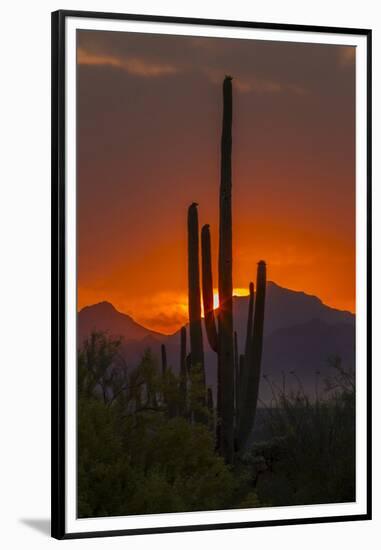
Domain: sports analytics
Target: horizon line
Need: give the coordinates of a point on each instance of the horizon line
(215, 309)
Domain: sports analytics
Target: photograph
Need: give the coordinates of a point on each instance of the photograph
(216, 273)
(216, 254)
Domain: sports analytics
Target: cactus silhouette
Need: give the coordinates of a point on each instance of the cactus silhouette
(241, 365)
(221, 339)
(163, 359)
(210, 400)
(194, 298)
(236, 382)
(225, 280)
(188, 363)
(249, 328)
(238, 375)
(183, 371)
(257, 341)
(207, 289)
(236, 354)
(245, 365)
(250, 376)
(194, 294)
(209, 315)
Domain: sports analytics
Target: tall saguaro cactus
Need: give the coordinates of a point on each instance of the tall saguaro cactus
(225, 280)
(238, 375)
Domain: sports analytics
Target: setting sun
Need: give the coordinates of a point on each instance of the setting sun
(236, 292)
(240, 292)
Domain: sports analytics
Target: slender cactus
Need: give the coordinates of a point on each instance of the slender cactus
(239, 404)
(194, 295)
(207, 288)
(236, 380)
(163, 374)
(163, 359)
(225, 281)
(188, 363)
(221, 339)
(194, 308)
(210, 399)
(252, 361)
(259, 318)
(241, 366)
(237, 375)
(249, 327)
(245, 368)
(246, 365)
(183, 371)
(210, 320)
(236, 354)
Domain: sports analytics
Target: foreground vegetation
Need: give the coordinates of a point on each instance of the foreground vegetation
(139, 451)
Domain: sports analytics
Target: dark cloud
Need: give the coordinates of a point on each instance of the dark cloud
(259, 66)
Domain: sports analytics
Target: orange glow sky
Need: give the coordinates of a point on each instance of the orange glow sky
(149, 120)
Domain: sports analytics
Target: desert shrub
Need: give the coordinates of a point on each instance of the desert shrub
(135, 456)
(309, 457)
(139, 453)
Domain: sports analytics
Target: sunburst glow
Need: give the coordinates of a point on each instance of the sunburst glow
(236, 292)
(240, 291)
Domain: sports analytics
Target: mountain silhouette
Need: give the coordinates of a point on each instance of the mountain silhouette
(300, 335)
(286, 308)
(105, 317)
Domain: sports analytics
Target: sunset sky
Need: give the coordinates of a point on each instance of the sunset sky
(149, 124)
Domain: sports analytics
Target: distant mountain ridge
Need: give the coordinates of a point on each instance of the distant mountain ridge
(300, 334)
(105, 317)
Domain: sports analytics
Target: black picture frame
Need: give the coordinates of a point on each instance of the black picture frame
(58, 248)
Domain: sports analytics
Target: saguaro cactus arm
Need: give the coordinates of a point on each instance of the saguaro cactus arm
(252, 362)
(245, 367)
(249, 325)
(194, 294)
(259, 318)
(207, 289)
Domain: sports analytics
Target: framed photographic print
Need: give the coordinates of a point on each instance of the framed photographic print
(211, 274)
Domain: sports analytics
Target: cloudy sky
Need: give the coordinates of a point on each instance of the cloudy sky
(149, 123)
